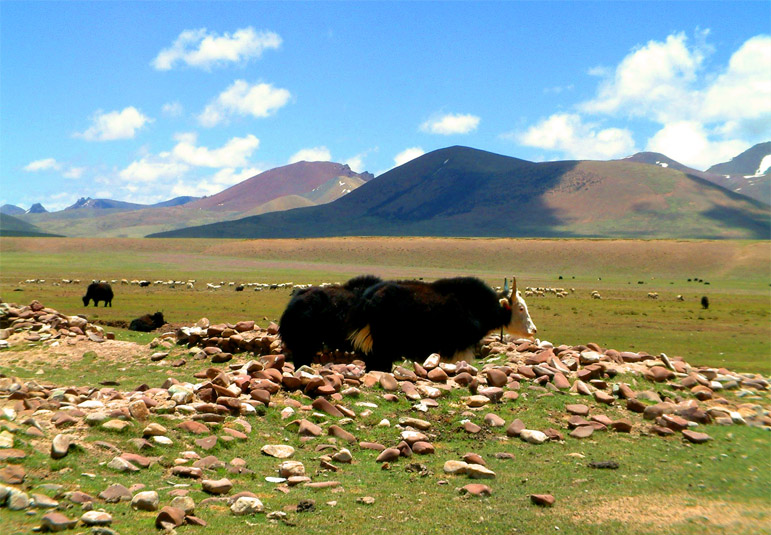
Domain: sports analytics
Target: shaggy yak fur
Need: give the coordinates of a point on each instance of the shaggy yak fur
(413, 319)
(147, 323)
(98, 291)
(316, 318)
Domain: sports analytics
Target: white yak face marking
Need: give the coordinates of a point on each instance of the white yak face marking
(521, 325)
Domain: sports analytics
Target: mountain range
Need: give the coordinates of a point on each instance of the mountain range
(456, 191)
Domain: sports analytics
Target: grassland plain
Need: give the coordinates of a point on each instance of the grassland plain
(662, 486)
(735, 331)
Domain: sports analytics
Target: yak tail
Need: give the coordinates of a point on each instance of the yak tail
(362, 340)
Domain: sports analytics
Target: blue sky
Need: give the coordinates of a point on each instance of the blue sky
(145, 101)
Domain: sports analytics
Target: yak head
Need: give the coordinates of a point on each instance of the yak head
(520, 325)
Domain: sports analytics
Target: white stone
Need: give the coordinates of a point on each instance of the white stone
(477, 471)
(279, 451)
(533, 437)
(455, 467)
(247, 505)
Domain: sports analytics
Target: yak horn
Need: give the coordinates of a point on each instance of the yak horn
(513, 288)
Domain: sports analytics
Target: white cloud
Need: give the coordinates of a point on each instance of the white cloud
(203, 49)
(172, 109)
(74, 172)
(234, 153)
(150, 169)
(652, 81)
(115, 125)
(741, 96)
(688, 143)
(313, 154)
(568, 134)
(408, 154)
(47, 164)
(451, 124)
(241, 98)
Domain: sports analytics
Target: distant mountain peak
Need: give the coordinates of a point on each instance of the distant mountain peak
(37, 208)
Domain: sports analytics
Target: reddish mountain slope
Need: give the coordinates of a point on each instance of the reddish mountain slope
(294, 179)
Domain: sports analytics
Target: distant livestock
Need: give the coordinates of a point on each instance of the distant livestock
(318, 317)
(147, 322)
(98, 291)
(413, 319)
(705, 302)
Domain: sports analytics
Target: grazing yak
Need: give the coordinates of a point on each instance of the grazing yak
(413, 319)
(98, 291)
(147, 322)
(317, 317)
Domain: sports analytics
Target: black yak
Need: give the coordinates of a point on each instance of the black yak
(317, 318)
(98, 291)
(705, 302)
(414, 319)
(147, 322)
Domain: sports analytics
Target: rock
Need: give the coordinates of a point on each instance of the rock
(343, 456)
(191, 426)
(477, 489)
(493, 420)
(116, 425)
(12, 474)
(324, 405)
(603, 397)
(122, 465)
(55, 521)
(279, 451)
(533, 437)
(455, 467)
(477, 471)
(515, 428)
(388, 382)
(578, 409)
(622, 426)
(609, 465)
(477, 401)
(338, 432)
(560, 381)
(17, 500)
(216, 486)
(291, 468)
(60, 446)
(138, 410)
(169, 517)
(471, 427)
(247, 505)
(206, 443)
(146, 501)
(186, 503)
(115, 493)
(696, 437)
(544, 500)
(582, 431)
(96, 518)
(423, 448)
(309, 429)
(192, 472)
(154, 430)
(387, 455)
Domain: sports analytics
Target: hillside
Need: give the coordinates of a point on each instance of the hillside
(748, 173)
(299, 178)
(13, 226)
(459, 191)
(297, 185)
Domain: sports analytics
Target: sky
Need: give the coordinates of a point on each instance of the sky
(146, 101)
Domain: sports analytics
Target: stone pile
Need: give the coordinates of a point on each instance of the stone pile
(322, 404)
(36, 323)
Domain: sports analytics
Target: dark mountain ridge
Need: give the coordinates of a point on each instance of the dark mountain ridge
(460, 191)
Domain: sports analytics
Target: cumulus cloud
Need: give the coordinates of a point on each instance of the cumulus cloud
(652, 80)
(312, 154)
(702, 113)
(203, 49)
(115, 125)
(235, 153)
(689, 143)
(741, 95)
(451, 124)
(46, 164)
(408, 154)
(242, 98)
(151, 169)
(568, 134)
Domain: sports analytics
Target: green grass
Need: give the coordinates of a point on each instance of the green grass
(663, 485)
